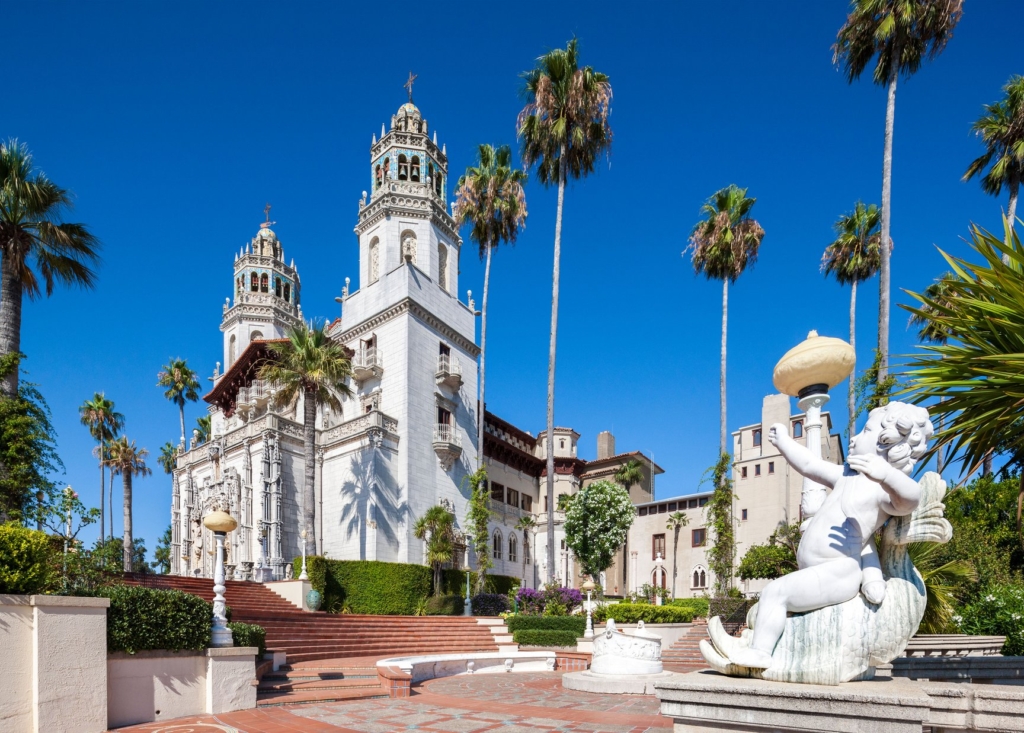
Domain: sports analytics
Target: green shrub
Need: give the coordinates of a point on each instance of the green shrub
(454, 582)
(369, 586)
(998, 611)
(490, 604)
(26, 563)
(545, 637)
(151, 618)
(699, 606)
(500, 584)
(576, 624)
(630, 613)
(249, 635)
(445, 606)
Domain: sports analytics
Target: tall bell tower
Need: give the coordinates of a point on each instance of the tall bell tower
(266, 294)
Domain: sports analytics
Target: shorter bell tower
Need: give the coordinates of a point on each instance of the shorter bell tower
(266, 294)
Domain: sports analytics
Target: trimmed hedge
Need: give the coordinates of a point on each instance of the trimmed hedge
(490, 604)
(445, 605)
(152, 618)
(454, 582)
(700, 606)
(249, 635)
(545, 637)
(630, 613)
(26, 563)
(576, 624)
(369, 586)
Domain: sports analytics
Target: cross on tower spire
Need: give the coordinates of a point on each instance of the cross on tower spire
(408, 84)
(266, 210)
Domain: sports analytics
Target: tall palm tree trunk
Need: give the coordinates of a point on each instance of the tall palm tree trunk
(103, 492)
(10, 320)
(725, 327)
(126, 481)
(675, 560)
(551, 367)
(883, 270)
(851, 405)
(1011, 206)
(110, 505)
(181, 418)
(309, 468)
(483, 356)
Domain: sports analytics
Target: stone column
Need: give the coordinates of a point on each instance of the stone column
(632, 570)
(811, 405)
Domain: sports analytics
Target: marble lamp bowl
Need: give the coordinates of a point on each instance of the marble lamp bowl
(219, 522)
(818, 360)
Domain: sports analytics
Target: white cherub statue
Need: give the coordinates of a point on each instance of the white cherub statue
(837, 556)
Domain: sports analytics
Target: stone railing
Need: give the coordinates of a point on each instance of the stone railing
(448, 364)
(375, 419)
(447, 434)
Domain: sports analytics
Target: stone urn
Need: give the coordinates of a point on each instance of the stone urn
(313, 600)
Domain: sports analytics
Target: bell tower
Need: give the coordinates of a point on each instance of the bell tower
(266, 294)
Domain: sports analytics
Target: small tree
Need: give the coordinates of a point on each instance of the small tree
(437, 529)
(775, 558)
(719, 514)
(477, 518)
(162, 553)
(676, 521)
(596, 524)
(66, 517)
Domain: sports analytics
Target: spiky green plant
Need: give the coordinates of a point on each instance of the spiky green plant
(940, 583)
(437, 528)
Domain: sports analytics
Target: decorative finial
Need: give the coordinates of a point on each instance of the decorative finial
(266, 210)
(408, 85)
(266, 224)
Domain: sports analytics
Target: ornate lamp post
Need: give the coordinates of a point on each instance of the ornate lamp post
(302, 575)
(659, 564)
(467, 607)
(589, 588)
(808, 371)
(220, 523)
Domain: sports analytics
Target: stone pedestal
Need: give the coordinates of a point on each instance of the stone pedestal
(707, 701)
(614, 684)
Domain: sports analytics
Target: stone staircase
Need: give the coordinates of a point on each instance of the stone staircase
(684, 655)
(353, 643)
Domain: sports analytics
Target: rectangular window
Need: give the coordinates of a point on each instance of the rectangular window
(497, 492)
(699, 537)
(744, 515)
(545, 504)
(444, 350)
(771, 467)
(703, 501)
(527, 503)
(662, 508)
(513, 497)
(657, 546)
(757, 469)
(743, 472)
(643, 511)
(443, 416)
(691, 504)
(757, 438)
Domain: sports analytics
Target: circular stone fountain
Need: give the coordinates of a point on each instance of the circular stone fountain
(624, 664)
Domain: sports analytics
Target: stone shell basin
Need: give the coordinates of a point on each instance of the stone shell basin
(616, 653)
(431, 666)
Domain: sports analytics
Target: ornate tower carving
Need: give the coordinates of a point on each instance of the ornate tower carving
(266, 294)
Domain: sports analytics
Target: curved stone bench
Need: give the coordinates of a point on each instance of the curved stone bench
(430, 666)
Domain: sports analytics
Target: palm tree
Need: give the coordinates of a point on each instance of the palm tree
(1001, 128)
(34, 239)
(104, 423)
(168, 457)
(527, 525)
(490, 197)
(437, 527)
(852, 258)
(314, 367)
(901, 33)
(940, 582)
(181, 386)
(676, 521)
(204, 425)
(127, 461)
(631, 472)
(564, 130)
(722, 246)
(933, 331)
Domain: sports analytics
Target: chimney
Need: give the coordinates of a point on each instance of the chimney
(605, 445)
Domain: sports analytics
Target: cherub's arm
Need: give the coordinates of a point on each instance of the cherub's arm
(802, 460)
(904, 492)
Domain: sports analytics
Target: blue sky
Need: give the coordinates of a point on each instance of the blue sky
(173, 123)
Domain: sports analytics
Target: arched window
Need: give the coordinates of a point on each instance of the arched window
(288, 292)
(387, 168)
(374, 259)
(430, 173)
(414, 173)
(403, 168)
(277, 287)
(409, 246)
(798, 428)
(497, 545)
(231, 350)
(659, 578)
(757, 438)
(438, 183)
(442, 266)
(513, 547)
(264, 283)
(700, 577)
(254, 281)
(696, 579)
(255, 336)
(703, 580)
(376, 177)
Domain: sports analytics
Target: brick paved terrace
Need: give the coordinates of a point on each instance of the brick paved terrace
(510, 703)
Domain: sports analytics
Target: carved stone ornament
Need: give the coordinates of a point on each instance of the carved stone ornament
(617, 653)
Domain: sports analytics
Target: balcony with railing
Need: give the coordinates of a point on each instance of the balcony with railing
(447, 444)
(449, 372)
(367, 364)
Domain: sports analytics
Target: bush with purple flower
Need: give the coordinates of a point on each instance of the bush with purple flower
(553, 600)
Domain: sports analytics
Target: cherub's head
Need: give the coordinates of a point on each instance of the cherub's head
(898, 432)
